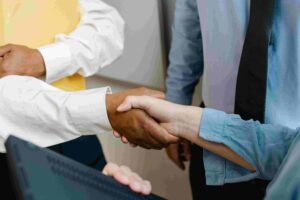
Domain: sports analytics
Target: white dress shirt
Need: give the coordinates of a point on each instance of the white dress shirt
(35, 111)
(40, 113)
(96, 42)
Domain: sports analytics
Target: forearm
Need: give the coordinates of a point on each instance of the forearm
(191, 118)
(264, 146)
(40, 113)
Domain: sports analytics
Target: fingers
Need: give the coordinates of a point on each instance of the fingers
(173, 154)
(147, 188)
(151, 135)
(159, 133)
(142, 144)
(133, 145)
(110, 169)
(5, 49)
(186, 150)
(171, 128)
(136, 183)
(126, 177)
(129, 103)
(124, 140)
(179, 153)
(116, 134)
(141, 102)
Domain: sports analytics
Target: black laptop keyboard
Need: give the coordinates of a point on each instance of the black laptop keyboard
(23, 156)
(86, 178)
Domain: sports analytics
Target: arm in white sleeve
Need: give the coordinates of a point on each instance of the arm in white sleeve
(96, 42)
(37, 112)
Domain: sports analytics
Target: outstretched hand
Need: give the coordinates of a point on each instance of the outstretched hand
(125, 176)
(180, 121)
(21, 60)
(136, 125)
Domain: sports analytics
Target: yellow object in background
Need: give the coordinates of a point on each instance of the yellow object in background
(35, 23)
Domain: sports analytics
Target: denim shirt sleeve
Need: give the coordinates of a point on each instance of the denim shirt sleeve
(262, 145)
(186, 59)
(286, 183)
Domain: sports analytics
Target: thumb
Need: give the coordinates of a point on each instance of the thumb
(171, 128)
(5, 49)
(126, 105)
(131, 102)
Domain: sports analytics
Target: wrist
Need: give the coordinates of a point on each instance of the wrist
(110, 107)
(112, 102)
(190, 118)
(40, 69)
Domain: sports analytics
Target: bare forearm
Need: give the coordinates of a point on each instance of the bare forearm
(181, 121)
(190, 126)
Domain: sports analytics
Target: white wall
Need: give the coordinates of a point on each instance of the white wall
(143, 60)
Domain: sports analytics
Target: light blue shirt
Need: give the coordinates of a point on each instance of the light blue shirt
(286, 183)
(273, 150)
(263, 145)
(208, 37)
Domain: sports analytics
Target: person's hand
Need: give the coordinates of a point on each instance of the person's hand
(179, 153)
(183, 122)
(126, 177)
(21, 60)
(163, 112)
(178, 120)
(136, 126)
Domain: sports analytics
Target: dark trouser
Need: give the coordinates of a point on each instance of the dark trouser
(252, 190)
(86, 150)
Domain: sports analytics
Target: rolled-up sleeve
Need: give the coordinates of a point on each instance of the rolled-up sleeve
(263, 145)
(286, 183)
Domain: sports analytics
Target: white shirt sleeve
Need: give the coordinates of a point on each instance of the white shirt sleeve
(37, 112)
(96, 42)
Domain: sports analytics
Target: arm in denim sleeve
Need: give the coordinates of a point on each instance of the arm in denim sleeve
(286, 183)
(186, 59)
(263, 145)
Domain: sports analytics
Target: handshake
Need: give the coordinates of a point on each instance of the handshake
(139, 116)
(142, 118)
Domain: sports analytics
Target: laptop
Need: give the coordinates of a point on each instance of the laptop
(41, 174)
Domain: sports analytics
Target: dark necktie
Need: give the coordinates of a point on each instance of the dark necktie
(252, 75)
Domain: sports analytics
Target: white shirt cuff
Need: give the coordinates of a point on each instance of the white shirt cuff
(57, 58)
(88, 111)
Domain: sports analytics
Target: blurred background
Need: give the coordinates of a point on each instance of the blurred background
(144, 63)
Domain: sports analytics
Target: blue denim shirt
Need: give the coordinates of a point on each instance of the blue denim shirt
(263, 145)
(273, 150)
(210, 51)
(286, 183)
